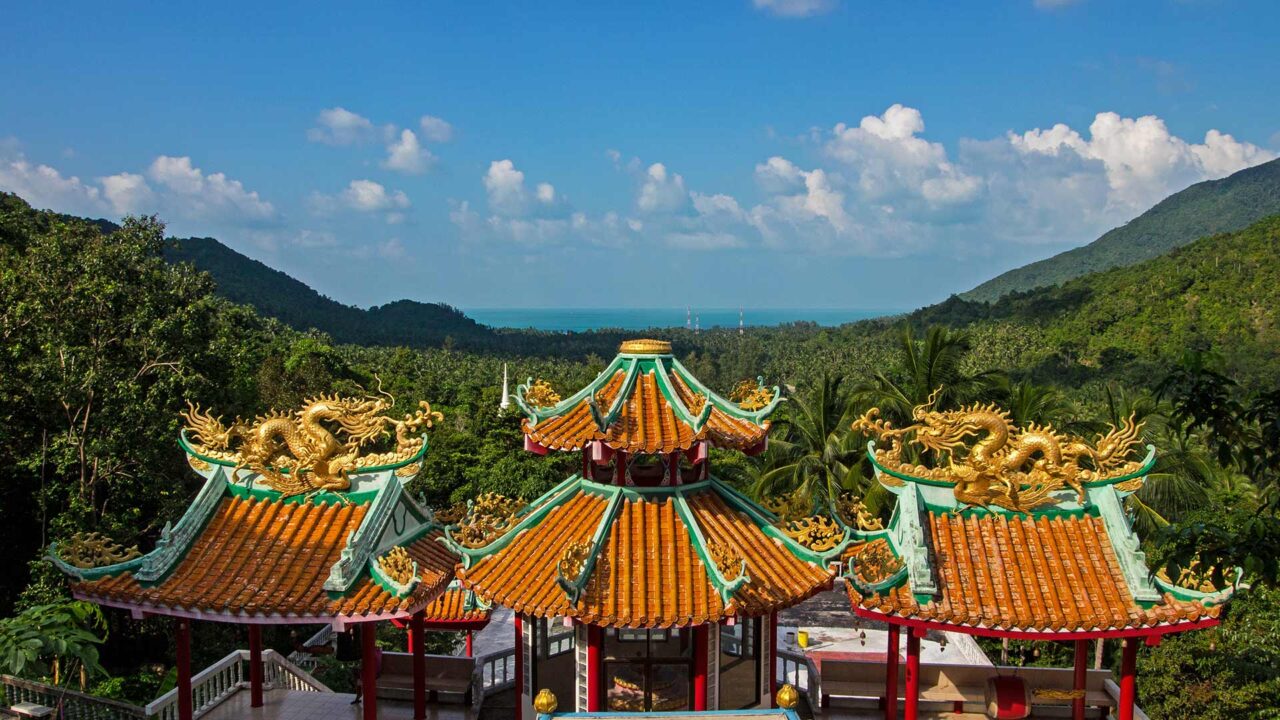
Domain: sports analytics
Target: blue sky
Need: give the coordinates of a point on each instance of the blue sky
(758, 153)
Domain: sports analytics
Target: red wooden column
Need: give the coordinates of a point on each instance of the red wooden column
(595, 668)
(910, 706)
(470, 637)
(891, 675)
(1080, 679)
(771, 626)
(255, 666)
(700, 667)
(183, 640)
(418, 647)
(520, 688)
(369, 669)
(1128, 679)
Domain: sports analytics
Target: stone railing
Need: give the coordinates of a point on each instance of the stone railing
(213, 685)
(495, 672)
(306, 660)
(798, 670)
(69, 704)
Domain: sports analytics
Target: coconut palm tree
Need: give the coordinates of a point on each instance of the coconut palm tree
(928, 365)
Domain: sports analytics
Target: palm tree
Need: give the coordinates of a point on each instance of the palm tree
(812, 450)
(933, 364)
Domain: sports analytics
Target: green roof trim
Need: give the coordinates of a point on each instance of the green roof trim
(575, 588)
(533, 513)
(92, 573)
(723, 585)
(386, 582)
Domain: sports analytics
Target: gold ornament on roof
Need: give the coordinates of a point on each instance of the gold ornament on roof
(855, 514)
(573, 561)
(727, 559)
(874, 562)
(319, 445)
(489, 517)
(452, 514)
(397, 565)
(697, 403)
(545, 703)
(991, 461)
(645, 347)
(751, 395)
(788, 697)
(93, 549)
(540, 395)
(818, 533)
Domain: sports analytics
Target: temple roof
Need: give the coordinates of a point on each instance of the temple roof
(636, 557)
(253, 548)
(457, 606)
(1000, 541)
(645, 401)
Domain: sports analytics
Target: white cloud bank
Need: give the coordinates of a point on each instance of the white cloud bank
(880, 187)
(405, 153)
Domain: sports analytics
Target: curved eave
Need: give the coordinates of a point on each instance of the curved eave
(725, 405)
(189, 449)
(1032, 634)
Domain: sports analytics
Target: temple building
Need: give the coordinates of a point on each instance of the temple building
(1013, 532)
(297, 523)
(666, 580)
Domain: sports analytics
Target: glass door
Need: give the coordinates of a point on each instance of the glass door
(648, 670)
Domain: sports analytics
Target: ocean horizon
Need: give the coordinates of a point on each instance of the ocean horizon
(584, 319)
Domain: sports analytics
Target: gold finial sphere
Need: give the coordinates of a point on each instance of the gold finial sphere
(645, 347)
(545, 703)
(788, 698)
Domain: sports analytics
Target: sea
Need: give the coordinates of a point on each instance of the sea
(582, 319)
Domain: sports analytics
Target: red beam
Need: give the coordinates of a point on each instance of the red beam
(255, 666)
(369, 669)
(891, 675)
(419, 649)
(910, 707)
(700, 667)
(470, 638)
(1079, 680)
(183, 640)
(1047, 635)
(1128, 679)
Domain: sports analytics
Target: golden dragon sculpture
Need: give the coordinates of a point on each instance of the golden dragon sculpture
(319, 445)
(993, 462)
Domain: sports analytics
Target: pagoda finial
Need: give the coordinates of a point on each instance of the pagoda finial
(506, 395)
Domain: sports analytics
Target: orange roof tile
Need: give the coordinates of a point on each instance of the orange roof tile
(648, 572)
(647, 422)
(1030, 573)
(455, 605)
(264, 558)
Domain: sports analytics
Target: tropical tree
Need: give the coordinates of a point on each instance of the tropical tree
(812, 450)
(54, 639)
(931, 368)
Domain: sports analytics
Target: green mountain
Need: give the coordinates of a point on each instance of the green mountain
(1219, 293)
(1203, 209)
(244, 280)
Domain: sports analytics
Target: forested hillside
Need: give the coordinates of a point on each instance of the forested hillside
(1203, 209)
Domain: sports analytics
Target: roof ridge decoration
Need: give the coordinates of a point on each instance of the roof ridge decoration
(360, 546)
(315, 448)
(988, 461)
(578, 562)
(719, 561)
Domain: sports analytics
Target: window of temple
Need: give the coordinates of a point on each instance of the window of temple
(740, 664)
(648, 670)
(647, 470)
(554, 664)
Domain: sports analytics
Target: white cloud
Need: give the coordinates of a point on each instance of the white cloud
(127, 193)
(1143, 161)
(190, 193)
(45, 187)
(661, 191)
(795, 8)
(435, 129)
(339, 126)
(546, 193)
(505, 187)
(369, 196)
(407, 155)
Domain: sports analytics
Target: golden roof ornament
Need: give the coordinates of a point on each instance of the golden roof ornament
(316, 447)
(397, 565)
(93, 549)
(751, 395)
(540, 394)
(545, 702)
(489, 517)
(991, 461)
(788, 697)
(645, 347)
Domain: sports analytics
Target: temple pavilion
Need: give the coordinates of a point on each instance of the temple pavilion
(300, 520)
(668, 579)
(1012, 533)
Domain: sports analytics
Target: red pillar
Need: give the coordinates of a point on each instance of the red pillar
(1128, 679)
(419, 650)
(771, 627)
(255, 666)
(369, 669)
(1080, 679)
(183, 640)
(700, 667)
(595, 643)
(910, 706)
(891, 675)
(470, 637)
(520, 688)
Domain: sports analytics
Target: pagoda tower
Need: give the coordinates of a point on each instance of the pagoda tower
(643, 582)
